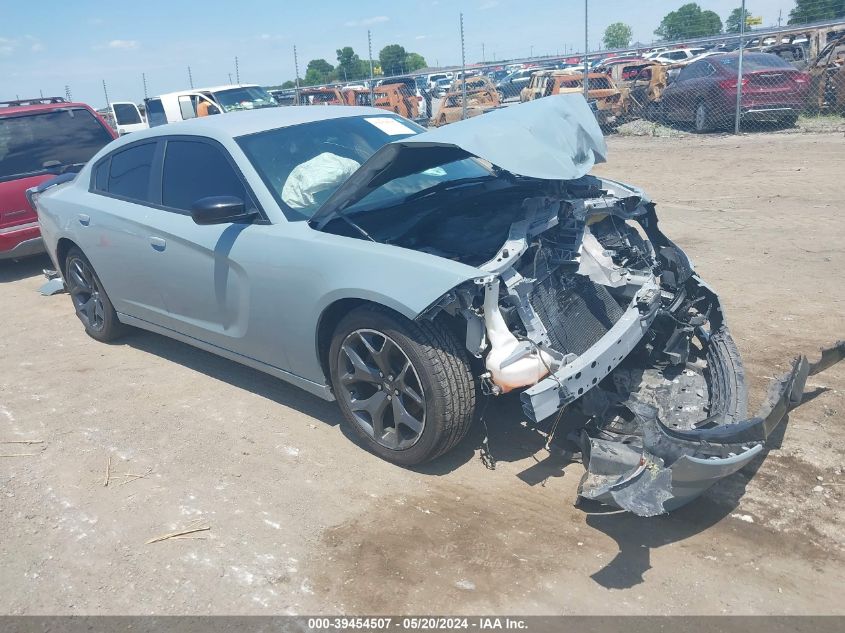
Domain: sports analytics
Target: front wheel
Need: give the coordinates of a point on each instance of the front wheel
(92, 304)
(406, 388)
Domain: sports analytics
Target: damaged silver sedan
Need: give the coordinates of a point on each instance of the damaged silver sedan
(409, 275)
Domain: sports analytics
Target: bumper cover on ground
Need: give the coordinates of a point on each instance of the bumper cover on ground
(672, 466)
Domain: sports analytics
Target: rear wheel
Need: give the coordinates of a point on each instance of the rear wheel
(406, 388)
(92, 304)
(702, 120)
(789, 120)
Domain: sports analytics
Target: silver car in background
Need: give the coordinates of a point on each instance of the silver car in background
(411, 274)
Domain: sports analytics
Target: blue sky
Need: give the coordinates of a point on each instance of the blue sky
(82, 43)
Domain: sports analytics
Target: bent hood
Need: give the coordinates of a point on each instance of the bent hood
(554, 138)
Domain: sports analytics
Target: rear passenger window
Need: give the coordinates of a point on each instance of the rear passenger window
(129, 175)
(195, 170)
(101, 176)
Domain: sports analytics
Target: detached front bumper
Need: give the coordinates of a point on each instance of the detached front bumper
(663, 468)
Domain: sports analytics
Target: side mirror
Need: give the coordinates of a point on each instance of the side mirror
(220, 210)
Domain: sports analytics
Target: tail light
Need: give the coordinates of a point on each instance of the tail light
(801, 78)
(730, 84)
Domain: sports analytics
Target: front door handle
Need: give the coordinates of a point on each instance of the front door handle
(84, 219)
(158, 244)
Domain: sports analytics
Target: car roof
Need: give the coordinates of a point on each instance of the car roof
(235, 124)
(40, 107)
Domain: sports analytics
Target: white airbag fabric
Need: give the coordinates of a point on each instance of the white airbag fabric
(306, 180)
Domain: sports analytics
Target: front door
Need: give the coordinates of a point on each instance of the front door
(206, 272)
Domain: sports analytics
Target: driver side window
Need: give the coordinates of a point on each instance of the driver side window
(194, 170)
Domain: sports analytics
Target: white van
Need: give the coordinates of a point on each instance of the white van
(126, 116)
(183, 105)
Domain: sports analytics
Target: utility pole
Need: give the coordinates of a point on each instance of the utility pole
(190, 78)
(296, 68)
(586, 81)
(483, 58)
(780, 16)
(41, 92)
(737, 118)
(230, 78)
(463, 74)
(67, 93)
(144, 80)
(237, 72)
(105, 92)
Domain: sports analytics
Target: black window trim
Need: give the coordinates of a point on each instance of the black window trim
(157, 179)
(157, 174)
(92, 184)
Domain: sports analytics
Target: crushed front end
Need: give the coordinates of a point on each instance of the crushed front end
(618, 348)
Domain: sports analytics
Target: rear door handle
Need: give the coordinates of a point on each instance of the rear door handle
(84, 219)
(158, 244)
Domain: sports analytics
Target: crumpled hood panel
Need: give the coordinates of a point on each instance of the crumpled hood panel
(555, 138)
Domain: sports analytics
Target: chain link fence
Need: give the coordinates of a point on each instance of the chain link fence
(749, 79)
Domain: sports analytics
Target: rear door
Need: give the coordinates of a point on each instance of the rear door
(114, 230)
(127, 117)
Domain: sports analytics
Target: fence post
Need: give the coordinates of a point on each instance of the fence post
(738, 114)
(586, 80)
(296, 69)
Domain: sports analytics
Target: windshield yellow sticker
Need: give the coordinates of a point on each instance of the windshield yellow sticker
(390, 126)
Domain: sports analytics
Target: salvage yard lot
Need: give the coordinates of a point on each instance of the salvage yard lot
(302, 521)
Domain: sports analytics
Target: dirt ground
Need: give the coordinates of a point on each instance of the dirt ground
(303, 521)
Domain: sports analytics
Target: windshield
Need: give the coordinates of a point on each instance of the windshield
(303, 165)
(244, 98)
(126, 113)
(70, 136)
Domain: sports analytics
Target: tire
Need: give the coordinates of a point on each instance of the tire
(420, 371)
(90, 301)
(789, 121)
(702, 119)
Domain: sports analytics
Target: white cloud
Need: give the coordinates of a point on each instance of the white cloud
(376, 19)
(267, 37)
(37, 47)
(490, 4)
(7, 46)
(123, 44)
(420, 37)
(96, 21)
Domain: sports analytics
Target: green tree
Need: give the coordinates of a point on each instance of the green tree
(813, 10)
(689, 21)
(348, 64)
(734, 20)
(414, 61)
(392, 58)
(318, 71)
(288, 84)
(617, 35)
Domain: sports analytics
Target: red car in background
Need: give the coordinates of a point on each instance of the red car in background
(704, 92)
(40, 139)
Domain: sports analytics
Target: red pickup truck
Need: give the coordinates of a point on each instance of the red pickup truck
(40, 139)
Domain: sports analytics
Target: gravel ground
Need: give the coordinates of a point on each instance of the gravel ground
(303, 521)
